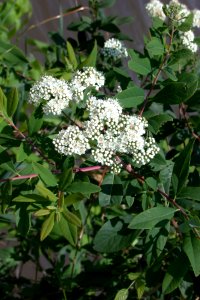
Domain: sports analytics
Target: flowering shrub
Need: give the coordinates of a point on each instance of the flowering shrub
(100, 172)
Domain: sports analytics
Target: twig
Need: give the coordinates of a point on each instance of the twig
(158, 73)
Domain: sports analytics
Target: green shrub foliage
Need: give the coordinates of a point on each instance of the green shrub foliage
(100, 173)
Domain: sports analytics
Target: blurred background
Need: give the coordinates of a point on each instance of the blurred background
(45, 9)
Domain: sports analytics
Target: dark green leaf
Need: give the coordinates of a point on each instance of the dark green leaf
(139, 65)
(155, 47)
(84, 188)
(45, 174)
(190, 193)
(112, 190)
(68, 230)
(149, 218)
(66, 179)
(182, 163)
(90, 61)
(156, 122)
(191, 246)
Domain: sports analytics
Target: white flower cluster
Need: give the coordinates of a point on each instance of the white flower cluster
(107, 133)
(55, 94)
(196, 18)
(155, 9)
(115, 49)
(187, 39)
(179, 10)
(89, 77)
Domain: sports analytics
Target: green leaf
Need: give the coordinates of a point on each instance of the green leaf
(190, 193)
(71, 218)
(46, 193)
(187, 24)
(191, 246)
(23, 219)
(179, 91)
(66, 179)
(182, 164)
(84, 188)
(42, 212)
(68, 230)
(156, 241)
(45, 174)
(152, 183)
(175, 274)
(12, 101)
(165, 176)
(112, 238)
(3, 103)
(139, 65)
(111, 190)
(131, 97)
(47, 226)
(90, 61)
(35, 122)
(73, 198)
(156, 122)
(149, 218)
(155, 47)
(105, 3)
(30, 198)
(122, 294)
(72, 55)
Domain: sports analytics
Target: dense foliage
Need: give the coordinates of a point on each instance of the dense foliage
(100, 173)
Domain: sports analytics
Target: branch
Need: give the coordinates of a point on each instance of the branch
(158, 73)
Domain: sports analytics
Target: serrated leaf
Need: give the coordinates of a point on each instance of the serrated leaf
(179, 91)
(131, 97)
(191, 247)
(122, 294)
(45, 174)
(47, 226)
(149, 218)
(156, 122)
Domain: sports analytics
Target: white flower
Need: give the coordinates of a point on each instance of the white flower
(179, 11)
(55, 94)
(155, 9)
(196, 18)
(71, 141)
(108, 110)
(89, 77)
(187, 39)
(114, 49)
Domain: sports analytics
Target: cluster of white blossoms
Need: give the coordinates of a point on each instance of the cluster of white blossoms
(54, 94)
(187, 39)
(107, 133)
(178, 12)
(155, 9)
(196, 18)
(115, 49)
(88, 77)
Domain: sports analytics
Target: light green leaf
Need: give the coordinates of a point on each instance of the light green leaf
(122, 295)
(90, 61)
(72, 55)
(149, 218)
(12, 101)
(155, 47)
(71, 218)
(47, 226)
(68, 230)
(84, 188)
(46, 193)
